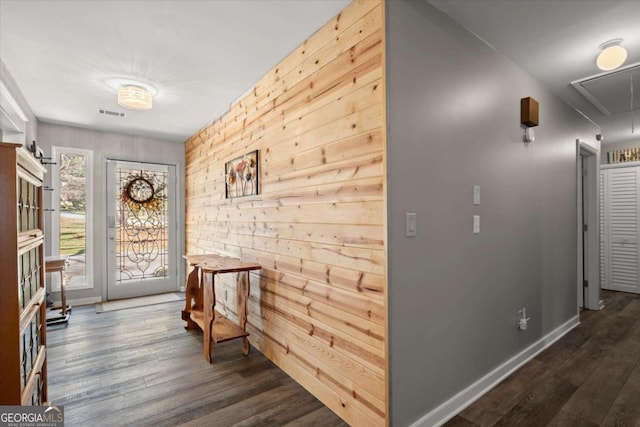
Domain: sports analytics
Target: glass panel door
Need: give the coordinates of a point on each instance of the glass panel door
(141, 227)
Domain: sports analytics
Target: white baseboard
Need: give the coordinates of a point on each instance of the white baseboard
(466, 397)
(78, 301)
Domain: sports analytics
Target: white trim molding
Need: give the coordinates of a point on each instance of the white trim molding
(78, 301)
(588, 212)
(619, 165)
(89, 281)
(466, 397)
(11, 102)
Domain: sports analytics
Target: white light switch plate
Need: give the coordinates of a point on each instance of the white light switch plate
(476, 194)
(476, 224)
(411, 225)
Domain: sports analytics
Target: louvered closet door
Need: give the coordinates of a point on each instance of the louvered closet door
(604, 277)
(622, 213)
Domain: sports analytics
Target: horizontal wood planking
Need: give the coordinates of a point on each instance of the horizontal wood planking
(362, 236)
(308, 321)
(313, 314)
(309, 356)
(348, 74)
(318, 307)
(303, 82)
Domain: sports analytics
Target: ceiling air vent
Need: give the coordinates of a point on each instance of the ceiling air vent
(110, 113)
(611, 92)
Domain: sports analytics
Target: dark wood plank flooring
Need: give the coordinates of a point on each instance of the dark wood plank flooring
(590, 377)
(141, 367)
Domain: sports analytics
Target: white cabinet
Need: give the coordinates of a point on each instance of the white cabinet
(620, 260)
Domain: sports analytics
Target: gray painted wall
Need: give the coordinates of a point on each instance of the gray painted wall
(107, 145)
(30, 128)
(454, 121)
(618, 146)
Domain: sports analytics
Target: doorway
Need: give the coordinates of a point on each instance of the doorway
(588, 179)
(141, 229)
(621, 219)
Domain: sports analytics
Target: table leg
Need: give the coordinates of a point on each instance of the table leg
(209, 303)
(193, 299)
(243, 296)
(63, 293)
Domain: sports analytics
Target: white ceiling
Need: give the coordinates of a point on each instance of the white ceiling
(200, 55)
(557, 42)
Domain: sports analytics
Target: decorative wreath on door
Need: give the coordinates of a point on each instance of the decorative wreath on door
(139, 192)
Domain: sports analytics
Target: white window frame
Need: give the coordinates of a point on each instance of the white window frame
(55, 218)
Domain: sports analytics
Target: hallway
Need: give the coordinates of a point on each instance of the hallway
(590, 377)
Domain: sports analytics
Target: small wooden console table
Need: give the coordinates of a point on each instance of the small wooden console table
(201, 300)
(58, 264)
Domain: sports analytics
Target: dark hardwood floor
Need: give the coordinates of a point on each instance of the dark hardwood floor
(590, 377)
(140, 367)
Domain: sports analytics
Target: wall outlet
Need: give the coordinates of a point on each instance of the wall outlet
(523, 319)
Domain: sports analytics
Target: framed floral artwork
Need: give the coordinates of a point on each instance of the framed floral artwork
(241, 176)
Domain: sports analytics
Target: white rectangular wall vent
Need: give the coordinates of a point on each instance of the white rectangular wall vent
(110, 113)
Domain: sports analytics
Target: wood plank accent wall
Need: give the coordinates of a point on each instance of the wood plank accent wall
(318, 228)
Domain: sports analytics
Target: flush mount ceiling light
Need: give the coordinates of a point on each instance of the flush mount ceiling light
(133, 94)
(135, 97)
(612, 56)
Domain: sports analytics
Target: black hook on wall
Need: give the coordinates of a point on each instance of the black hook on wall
(39, 154)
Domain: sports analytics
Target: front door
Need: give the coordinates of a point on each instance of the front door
(141, 224)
